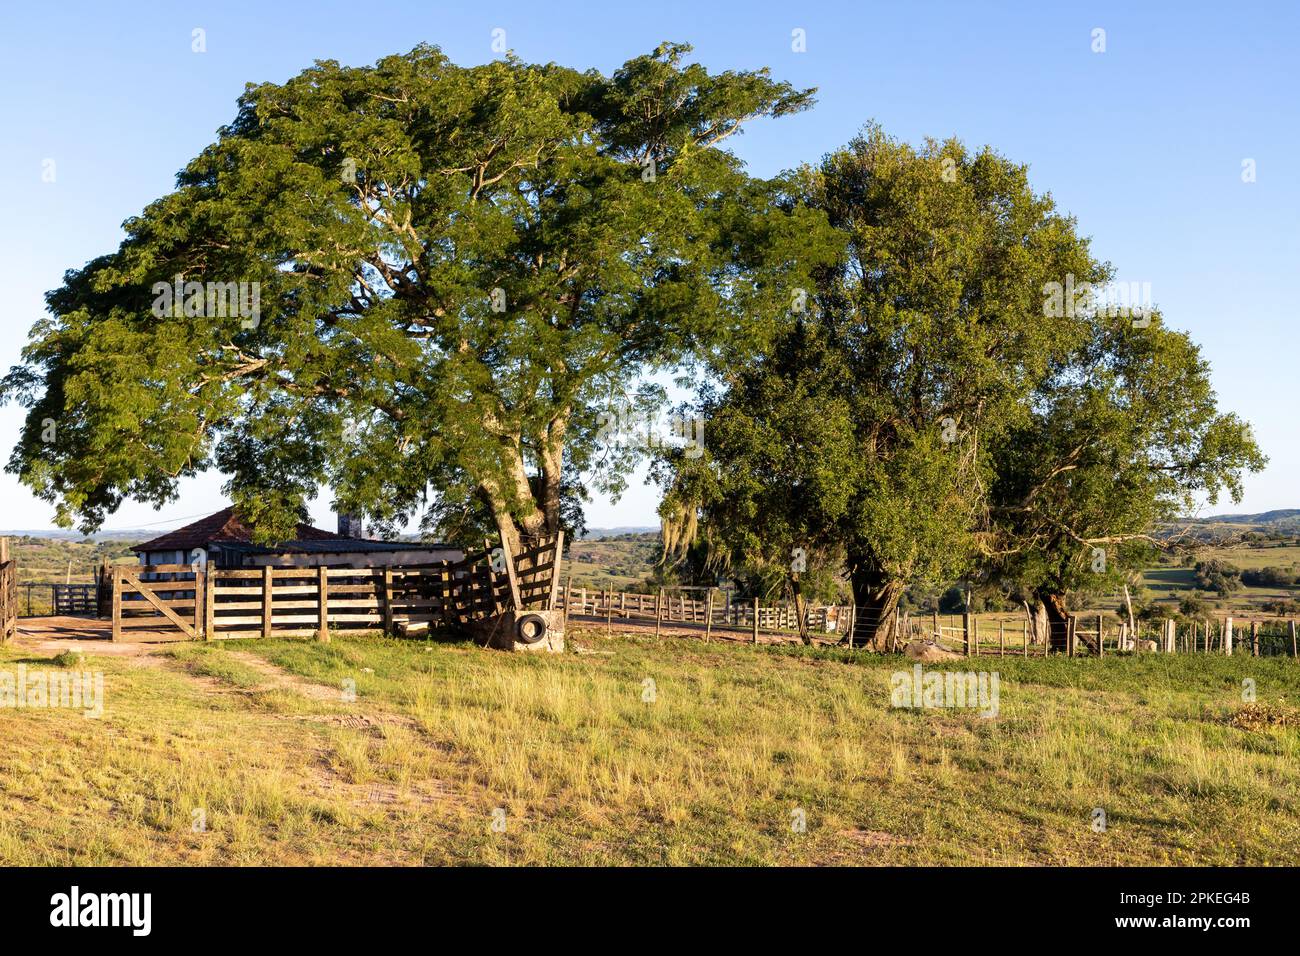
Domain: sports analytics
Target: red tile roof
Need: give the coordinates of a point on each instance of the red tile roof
(224, 526)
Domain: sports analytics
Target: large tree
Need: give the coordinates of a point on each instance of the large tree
(865, 432)
(456, 269)
(1123, 438)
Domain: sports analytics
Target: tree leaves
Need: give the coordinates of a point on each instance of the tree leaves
(460, 265)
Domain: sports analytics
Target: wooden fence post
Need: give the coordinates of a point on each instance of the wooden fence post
(1024, 636)
(266, 600)
(965, 633)
(708, 616)
(1002, 638)
(117, 605)
(1254, 638)
(1069, 636)
(659, 601)
(199, 592)
(209, 602)
(1101, 641)
(755, 620)
(609, 610)
(323, 587)
(1293, 647)
(568, 599)
(1226, 641)
(853, 623)
(388, 601)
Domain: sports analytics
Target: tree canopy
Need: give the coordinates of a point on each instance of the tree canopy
(454, 269)
(428, 286)
(1125, 436)
(866, 433)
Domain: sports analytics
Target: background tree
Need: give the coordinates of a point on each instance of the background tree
(1122, 438)
(866, 429)
(457, 269)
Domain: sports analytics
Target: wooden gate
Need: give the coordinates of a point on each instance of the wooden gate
(75, 600)
(157, 602)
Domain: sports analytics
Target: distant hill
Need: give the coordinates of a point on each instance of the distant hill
(613, 558)
(1277, 524)
(43, 556)
(1288, 516)
(595, 534)
(136, 534)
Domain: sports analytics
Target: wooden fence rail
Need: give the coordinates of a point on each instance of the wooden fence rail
(174, 602)
(1086, 632)
(707, 613)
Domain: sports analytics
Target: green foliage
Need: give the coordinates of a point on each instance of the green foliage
(1119, 439)
(458, 267)
(1191, 606)
(1270, 577)
(1218, 576)
(864, 434)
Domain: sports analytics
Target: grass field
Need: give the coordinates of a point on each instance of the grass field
(645, 752)
(1169, 584)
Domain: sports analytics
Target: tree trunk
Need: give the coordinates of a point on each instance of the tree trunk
(552, 468)
(876, 597)
(1058, 621)
(1037, 615)
(519, 514)
(509, 531)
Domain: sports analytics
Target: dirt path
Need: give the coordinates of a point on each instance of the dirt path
(45, 642)
(39, 643)
(320, 777)
(279, 679)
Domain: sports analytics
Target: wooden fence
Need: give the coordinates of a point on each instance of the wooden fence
(713, 612)
(8, 594)
(176, 602)
(1084, 634)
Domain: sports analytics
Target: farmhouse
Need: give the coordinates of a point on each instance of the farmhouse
(223, 540)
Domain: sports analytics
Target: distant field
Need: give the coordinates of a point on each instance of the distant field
(55, 559)
(1170, 584)
(620, 563)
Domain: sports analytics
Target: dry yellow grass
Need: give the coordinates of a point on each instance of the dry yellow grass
(670, 752)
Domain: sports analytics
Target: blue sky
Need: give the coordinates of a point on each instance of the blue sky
(1144, 142)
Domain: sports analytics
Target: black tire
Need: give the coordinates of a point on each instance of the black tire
(530, 629)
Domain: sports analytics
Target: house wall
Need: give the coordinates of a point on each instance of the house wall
(164, 557)
(353, 559)
(346, 559)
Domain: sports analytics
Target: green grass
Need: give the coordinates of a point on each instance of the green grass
(735, 739)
